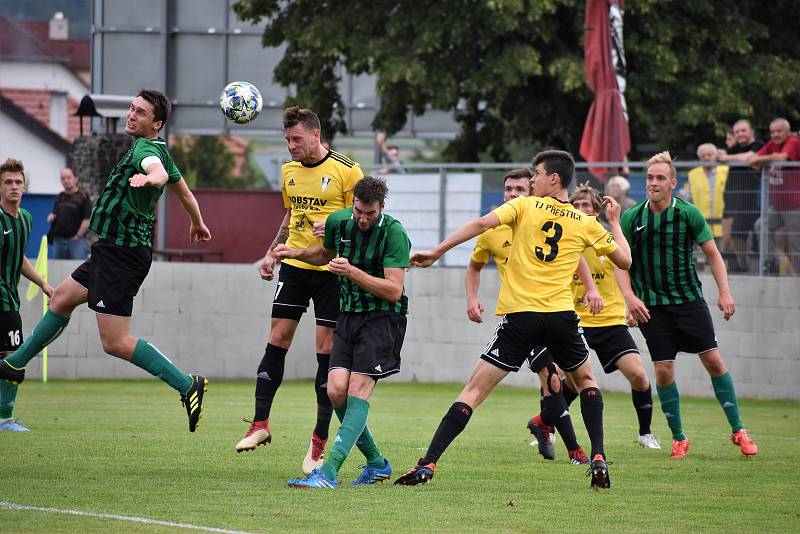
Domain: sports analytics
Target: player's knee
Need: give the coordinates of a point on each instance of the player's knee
(114, 347)
(325, 346)
(555, 383)
(639, 380)
(61, 303)
(337, 394)
(279, 338)
(712, 360)
(664, 375)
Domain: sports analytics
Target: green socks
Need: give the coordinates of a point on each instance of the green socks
(145, 355)
(8, 395)
(671, 406)
(49, 328)
(365, 443)
(353, 424)
(149, 358)
(726, 395)
(723, 389)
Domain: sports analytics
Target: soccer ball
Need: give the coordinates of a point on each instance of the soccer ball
(240, 102)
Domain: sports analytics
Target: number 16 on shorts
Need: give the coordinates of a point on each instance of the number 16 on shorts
(11, 324)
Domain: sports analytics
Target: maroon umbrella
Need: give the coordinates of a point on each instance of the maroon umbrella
(605, 135)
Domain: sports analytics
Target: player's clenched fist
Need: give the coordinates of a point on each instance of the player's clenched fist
(423, 259)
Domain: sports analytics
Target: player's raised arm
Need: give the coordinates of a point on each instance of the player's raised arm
(464, 233)
(154, 174)
(198, 231)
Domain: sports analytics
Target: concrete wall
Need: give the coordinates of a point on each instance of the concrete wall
(213, 319)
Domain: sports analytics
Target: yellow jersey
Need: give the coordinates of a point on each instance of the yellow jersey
(613, 312)
(494, 243)
(550, 236)
(313, 192)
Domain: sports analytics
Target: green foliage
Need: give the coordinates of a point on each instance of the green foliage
(252, 175)
(206, 161)
(696, 67)
(512, 70)
(123, 448)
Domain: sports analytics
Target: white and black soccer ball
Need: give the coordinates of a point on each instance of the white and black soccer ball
(240, 102)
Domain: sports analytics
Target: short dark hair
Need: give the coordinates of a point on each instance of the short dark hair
(558, 161)
(517, 174)
(370, 189)
(13, 165)
(161, 104)
(297, 115)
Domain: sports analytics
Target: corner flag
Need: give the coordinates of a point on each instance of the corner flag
(41, 268)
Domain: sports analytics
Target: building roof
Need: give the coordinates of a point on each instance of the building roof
(31, 123)
(28, 40)
(36, 104)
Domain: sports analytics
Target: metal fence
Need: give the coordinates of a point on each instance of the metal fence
(434, 199)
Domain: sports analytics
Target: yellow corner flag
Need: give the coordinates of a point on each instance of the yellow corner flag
(33, 289)
(41, 269)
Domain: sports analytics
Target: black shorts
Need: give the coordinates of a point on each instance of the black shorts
(10, 331)
(674, 328)
(610, 343)
(539, 359)
(297, 286)
(113, 276)
(368, 343)
(518, 333)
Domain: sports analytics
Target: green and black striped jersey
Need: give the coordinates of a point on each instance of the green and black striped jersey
(124, 214)
(386, 244)
(16, 231)
(663, 270)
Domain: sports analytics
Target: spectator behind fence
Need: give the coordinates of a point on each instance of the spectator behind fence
(617, 188)
(784, 188)
(390, 155)
(706, 186)
(742, 205)
(730, 139)
(69, 220)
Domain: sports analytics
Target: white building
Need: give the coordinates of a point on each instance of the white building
(42, 75)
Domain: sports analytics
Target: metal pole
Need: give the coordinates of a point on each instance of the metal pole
(763, 235)
(97, 48)
(226, 124)
(161, 208)
(442, 210)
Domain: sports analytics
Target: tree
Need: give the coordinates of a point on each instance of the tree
(512, 70)
(205, 161)
(208, 161)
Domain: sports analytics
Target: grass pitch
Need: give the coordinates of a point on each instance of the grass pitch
(123, 448)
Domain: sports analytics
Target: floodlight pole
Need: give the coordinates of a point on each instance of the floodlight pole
(161, 216)
(442, 210)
